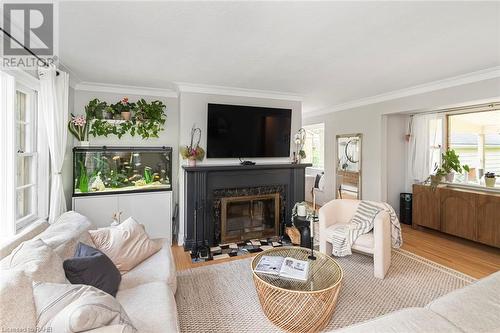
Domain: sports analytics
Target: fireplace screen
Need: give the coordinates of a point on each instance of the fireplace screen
(249, 217)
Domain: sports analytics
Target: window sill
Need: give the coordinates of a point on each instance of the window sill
(476, 187)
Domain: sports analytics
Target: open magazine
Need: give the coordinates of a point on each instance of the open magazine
(283, 267)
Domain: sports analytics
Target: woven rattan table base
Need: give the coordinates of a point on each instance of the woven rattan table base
(297, 306)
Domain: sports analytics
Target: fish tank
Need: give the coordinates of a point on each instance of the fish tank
(112, 170)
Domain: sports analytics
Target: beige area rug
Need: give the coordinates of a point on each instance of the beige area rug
(222, 298)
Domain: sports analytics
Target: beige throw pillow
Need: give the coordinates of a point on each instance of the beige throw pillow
(127, 244)
(17, 306)
(38, 260)
(69, 308)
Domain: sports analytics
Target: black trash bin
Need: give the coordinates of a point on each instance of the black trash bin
(405, 203)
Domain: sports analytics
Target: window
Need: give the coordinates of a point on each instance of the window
(314, 145)
(27, 157)
(435, 142)
(24, 154)
(476, 139)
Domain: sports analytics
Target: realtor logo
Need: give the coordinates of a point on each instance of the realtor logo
(32, 25)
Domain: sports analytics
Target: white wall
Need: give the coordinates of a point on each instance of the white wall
(369, 121)
(169, 137)
(397, 149)
(193, 110)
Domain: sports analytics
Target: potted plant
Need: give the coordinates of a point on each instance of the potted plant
(193, 152)
(450, 162)
(149, 111)
(109, 112)
(490, 179)
(124, 107)
(299, 140)
(78, 126)
(95, 109)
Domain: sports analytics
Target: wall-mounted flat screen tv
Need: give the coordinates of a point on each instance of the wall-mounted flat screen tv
(239, 131)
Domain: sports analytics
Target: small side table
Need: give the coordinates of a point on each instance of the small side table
(303, 225)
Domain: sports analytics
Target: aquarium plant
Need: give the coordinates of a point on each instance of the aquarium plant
(148, 175)
(83, 180)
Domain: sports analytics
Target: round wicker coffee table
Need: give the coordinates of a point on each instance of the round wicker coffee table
(294, 305)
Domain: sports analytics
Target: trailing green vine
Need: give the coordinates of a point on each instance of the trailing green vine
(145, 119)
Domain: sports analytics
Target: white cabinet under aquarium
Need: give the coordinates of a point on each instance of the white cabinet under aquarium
(119, 182)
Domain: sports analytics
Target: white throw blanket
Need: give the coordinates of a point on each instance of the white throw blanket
(344, 235)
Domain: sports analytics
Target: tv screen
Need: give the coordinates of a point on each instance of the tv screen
(247, 131)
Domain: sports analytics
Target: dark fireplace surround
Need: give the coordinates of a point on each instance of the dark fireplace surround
(205, 186)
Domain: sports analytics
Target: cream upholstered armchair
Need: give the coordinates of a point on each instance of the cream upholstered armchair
(376, 243)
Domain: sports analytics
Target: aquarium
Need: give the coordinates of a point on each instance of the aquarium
(109, 170)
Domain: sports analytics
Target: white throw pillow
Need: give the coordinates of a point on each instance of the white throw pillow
(127, 244)
(69, 308)
(66, 232)
(17, 306)
(38, 260)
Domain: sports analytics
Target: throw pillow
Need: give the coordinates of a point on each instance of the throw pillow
(127, 244)
(17, 306)
(69, 308)
(66, 232)
(92, 267)
(38, 260)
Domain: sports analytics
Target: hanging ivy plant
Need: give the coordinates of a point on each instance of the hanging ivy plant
(148, 119)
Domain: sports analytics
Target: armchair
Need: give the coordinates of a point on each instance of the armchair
(376, 243)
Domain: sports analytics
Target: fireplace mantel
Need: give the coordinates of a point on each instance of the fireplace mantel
(201, 181)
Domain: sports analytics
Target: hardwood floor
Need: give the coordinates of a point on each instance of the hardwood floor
(471, 258)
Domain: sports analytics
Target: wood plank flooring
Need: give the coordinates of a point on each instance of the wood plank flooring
(470, 258)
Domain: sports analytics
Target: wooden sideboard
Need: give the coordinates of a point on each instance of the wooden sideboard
(469, 214)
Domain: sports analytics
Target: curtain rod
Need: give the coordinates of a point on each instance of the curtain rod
(463, 109)
(45, 63)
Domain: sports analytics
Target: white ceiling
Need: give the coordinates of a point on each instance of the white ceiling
(329, 52)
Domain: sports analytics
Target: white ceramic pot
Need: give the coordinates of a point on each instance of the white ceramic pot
(450, 177)
(191, 162)
(490, 182)
(84, 143)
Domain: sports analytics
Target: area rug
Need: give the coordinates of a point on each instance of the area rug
(222, 298)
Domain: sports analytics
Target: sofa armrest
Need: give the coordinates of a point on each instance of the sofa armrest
(382, 244)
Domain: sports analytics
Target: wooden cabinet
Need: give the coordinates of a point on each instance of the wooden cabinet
(469, 214)
(488, 220)
(458, 213)
(426, 212)
(153, 210)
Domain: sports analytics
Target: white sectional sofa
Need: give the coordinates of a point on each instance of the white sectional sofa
(146, 292)
(473, 309)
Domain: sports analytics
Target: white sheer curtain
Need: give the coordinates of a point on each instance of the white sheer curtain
(425, 134)
(53, 98)
(7, 156)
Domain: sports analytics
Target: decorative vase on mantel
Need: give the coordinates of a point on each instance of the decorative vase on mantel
(191, 162)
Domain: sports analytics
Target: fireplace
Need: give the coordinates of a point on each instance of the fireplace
(250, 217)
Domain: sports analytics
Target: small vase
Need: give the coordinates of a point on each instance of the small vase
(490, 182)
(84, 143)
(450, 177)
(126, 115)
(191, 162)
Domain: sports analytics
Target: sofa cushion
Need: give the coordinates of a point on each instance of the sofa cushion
(151, 307)
(92, 267)
(38, 260)
(475, 308)
(411, 320)
(67, 308)
(127, 244)
(29, 232)
(17, 306)
(66, 232)
(159, 267)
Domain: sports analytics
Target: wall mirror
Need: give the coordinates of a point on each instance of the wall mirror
(348, 167)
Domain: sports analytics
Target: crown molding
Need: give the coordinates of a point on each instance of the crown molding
(485, 74)
(123, 89)
(234, 91)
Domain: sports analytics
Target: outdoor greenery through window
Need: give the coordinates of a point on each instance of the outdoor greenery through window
(476, 139)
(315, 145)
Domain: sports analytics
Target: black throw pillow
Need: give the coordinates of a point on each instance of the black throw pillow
(318, 179)
(92, 267)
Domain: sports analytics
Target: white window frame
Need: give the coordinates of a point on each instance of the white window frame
(40, 179)
(31, 135)
(317, 168)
